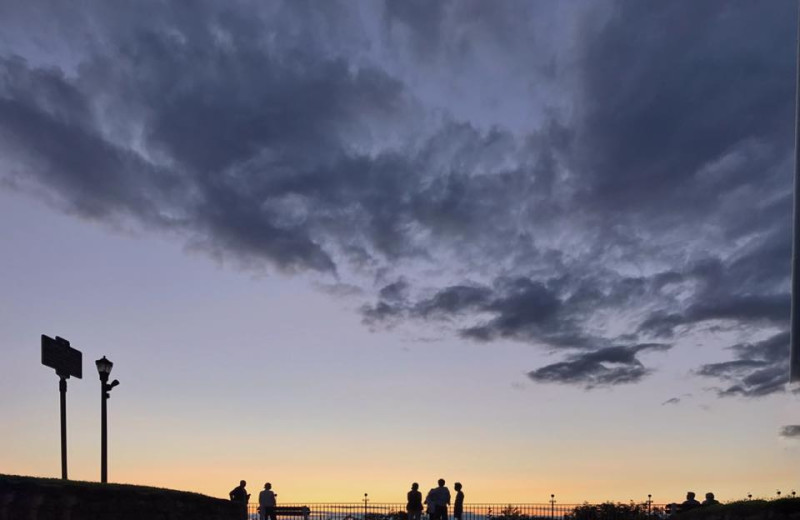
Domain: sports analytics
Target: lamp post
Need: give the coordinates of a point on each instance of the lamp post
(104, 369)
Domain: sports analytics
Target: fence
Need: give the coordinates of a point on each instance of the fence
(397, 511)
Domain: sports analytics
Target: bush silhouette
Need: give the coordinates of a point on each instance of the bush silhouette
(612, 511)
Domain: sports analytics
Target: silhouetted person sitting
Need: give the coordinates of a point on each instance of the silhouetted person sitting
(710, 500)
(267, 503)
(414, 505)
(240, 496)
(690, 502)
(438, 499)
(458, 505)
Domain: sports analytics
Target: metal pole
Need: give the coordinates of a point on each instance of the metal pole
(103, 432)
(794, 358)
(62, 389)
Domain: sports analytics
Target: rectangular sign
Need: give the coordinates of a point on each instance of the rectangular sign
(57, 354)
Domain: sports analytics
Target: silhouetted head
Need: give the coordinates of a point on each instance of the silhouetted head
(441, 482)
(690, 495)
(457, 485)
(709, 496)
(242, 483)
(415, 486)
(267, 486)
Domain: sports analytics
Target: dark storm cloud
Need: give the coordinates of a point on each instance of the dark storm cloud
(46, 122)
(255, 149)
(706, 80)
(521, 307)
(394, 292)
(739, 290)
(422, 19)
(529, 310)
(790, 431)
(454, 300)
(524, 308)
(768, 307)
(643, 195)
(606, 366)
(221, 116)
(758, 369)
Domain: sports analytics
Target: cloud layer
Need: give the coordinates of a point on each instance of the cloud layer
(599, 181)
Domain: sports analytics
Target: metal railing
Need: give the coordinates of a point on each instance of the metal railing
(397, 511)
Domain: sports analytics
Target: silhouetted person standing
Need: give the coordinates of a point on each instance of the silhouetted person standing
(438, 499)
(690, 502)
(267, 503)
(710, 500)
(240, 496)
(414, 505)
(458, 505)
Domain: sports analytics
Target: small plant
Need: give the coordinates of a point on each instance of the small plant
(509, 512)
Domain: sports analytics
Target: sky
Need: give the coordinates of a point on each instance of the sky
(536, 247)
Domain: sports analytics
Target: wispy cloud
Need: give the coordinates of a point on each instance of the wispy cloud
(603, 367)
(790, 431)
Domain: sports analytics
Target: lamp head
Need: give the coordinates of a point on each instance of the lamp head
(104, 366)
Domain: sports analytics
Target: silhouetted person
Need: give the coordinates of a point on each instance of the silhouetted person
(240, 495)
(414, 505)
(710, 500)
(267, 503)
(690, 502)
(438, 499)
(458, 505)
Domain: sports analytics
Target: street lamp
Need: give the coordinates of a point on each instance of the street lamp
(104, 369)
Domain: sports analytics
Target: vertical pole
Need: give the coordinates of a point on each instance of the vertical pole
(62, 389)
(103, 433)
(794, 357)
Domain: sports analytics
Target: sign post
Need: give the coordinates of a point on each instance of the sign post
(58, 355)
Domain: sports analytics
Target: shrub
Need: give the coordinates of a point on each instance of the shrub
(612, 511)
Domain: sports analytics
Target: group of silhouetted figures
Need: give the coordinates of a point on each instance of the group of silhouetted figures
(266, 500)
(435, 504)
(692, 503)
(437, 500)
